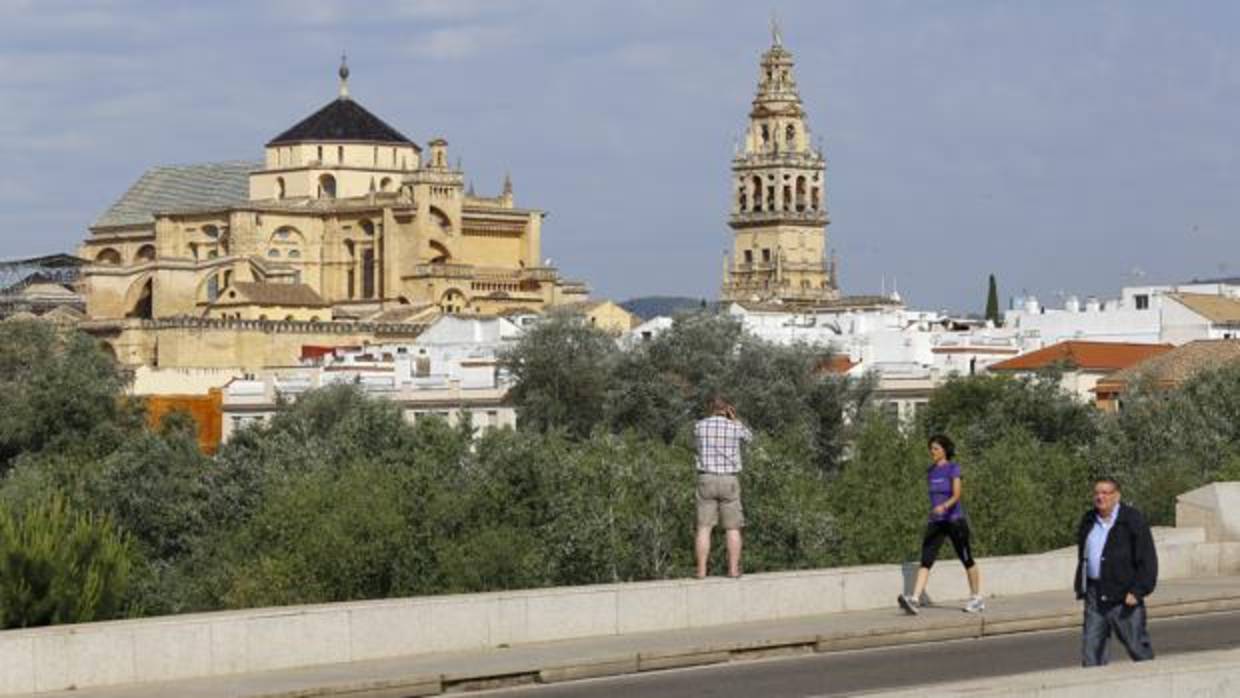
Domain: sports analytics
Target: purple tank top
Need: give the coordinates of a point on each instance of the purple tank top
(939, 482)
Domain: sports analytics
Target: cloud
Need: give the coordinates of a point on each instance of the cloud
(461, 42)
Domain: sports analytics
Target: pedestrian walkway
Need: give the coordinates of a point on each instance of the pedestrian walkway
(431, 674)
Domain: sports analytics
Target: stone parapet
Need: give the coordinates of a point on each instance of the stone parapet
(232, 642)
(1215, 508)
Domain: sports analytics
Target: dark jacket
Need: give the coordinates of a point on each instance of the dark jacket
(1129, 560)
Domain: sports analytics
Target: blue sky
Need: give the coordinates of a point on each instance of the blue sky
(1067, 146)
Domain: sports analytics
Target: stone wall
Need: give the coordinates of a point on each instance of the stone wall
(214, 644)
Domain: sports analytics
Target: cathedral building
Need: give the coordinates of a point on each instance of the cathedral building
(347, 231)
(779, 207)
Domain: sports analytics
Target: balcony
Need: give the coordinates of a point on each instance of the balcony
(766, 217)
(803, 159)
(451, 271)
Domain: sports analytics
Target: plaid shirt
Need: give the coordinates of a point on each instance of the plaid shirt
(719, 445)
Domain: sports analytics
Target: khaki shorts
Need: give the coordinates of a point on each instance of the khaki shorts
(719, 501)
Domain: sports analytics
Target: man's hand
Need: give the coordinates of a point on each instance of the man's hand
(1130, 599)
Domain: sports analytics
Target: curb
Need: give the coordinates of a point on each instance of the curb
(970, 627)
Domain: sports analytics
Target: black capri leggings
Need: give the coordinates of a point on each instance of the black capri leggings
(936, 531)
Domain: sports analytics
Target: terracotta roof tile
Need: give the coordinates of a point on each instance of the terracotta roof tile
(1179, 364)
(295, 295)
(1089, 356)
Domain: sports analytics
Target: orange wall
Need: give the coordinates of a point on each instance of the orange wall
(207, 411)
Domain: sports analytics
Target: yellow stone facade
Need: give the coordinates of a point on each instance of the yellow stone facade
(343, 206)
(779, 210)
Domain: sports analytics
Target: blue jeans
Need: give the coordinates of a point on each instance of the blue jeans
(1101, 619)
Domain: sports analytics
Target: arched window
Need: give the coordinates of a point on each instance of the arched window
(813, 198)
(146, 253)
(284, 242)
(790, 134)
(385, 184)
(211, 231)
(367, 227)
(279, 187)
(441, 218)
(439, 253)
(350, 275)
(108, 256)
(757, 193)
(368, 273)
(766, 134)
(142, 306)
(452, 301)
(294, 254)
(327, 186)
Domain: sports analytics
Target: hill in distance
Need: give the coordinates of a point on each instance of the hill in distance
(647, 307)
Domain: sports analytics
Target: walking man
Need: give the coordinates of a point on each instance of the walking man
(1117, 568)
(719, 439)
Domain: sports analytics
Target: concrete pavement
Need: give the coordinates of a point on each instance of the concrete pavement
(550, 662)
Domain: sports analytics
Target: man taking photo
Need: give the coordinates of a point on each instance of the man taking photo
(719, 437)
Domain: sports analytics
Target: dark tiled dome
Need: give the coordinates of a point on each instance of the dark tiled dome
(341, 120)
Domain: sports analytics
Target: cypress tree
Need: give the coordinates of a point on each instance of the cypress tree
(992, 303)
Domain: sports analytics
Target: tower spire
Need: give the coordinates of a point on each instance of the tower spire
(344, 76)
(779, 212)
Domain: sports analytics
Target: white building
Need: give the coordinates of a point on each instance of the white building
(1142, 314)
(452, 371)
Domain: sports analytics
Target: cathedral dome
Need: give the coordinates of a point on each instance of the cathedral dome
(343, 120)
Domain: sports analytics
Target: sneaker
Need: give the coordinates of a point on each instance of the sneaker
(975, 605)
(908, 603)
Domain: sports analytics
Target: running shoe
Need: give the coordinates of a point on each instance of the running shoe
(908, 603)
(975, 605)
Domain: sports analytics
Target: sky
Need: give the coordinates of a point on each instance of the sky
(1069, 147)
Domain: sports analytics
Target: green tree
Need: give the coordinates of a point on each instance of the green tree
(992, 302)
(1022, 495)
(975, 410)
(791, 522)
(561, 368)
(328, 535)
(60, 566)
(879, 497)
(1164, 442)
(59, 393)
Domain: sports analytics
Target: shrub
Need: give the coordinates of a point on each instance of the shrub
(59, 566)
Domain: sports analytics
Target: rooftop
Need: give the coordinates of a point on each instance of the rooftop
(342, 120)
(295, 295)
(176, 187)
(1179, 364)
(1217, 309)
(1089, 356)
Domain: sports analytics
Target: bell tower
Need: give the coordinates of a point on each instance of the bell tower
(779, 211)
